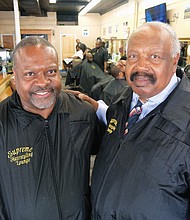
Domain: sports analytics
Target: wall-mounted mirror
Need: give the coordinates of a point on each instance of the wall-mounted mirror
(116, 47)
(184, 56)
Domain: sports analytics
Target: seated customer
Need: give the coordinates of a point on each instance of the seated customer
(74, 60)
(116, 85)
(98, 87)
(90, 74)
(73, 72)
(81, 45)
(78, 54)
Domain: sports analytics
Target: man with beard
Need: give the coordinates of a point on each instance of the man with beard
(46, 138)
(143, 170)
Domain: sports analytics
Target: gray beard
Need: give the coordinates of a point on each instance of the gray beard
(43, 103)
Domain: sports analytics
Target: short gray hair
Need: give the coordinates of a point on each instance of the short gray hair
(31, 41)
(175, 44)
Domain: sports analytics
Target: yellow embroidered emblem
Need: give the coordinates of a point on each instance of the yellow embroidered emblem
(112, 125)
(20, 155)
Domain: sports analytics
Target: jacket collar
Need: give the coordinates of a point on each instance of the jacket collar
(25, 118)
(176, 108)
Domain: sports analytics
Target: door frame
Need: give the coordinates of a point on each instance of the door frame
(61, 46)
(12, 42)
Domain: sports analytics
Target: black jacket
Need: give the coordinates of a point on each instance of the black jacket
(113, 88)
(90, 74)
(100, 56)
(44, 164)
(145, 175)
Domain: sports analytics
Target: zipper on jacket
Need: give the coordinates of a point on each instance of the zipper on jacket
(53, 170)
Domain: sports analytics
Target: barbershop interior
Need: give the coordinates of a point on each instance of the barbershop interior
(78, 29)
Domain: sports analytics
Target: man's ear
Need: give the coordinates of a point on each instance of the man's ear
(14, 72)
(175, 63)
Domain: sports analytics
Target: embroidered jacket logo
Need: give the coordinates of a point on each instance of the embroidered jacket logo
(20, 155)
(112, 125)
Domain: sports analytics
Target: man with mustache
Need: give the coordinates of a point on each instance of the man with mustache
(149, 76)
(142, 171)
(46, 138)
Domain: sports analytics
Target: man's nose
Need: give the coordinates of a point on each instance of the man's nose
(42, 79)
(143, 63)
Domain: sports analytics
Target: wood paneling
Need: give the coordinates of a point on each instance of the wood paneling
(8, 41)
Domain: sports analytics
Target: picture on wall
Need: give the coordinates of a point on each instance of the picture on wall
(85, 32)
(187, 13)
(104, 31)
(126, 30)
(116, 27)
(109, 29)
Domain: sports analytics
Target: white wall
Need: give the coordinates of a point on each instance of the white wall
(133, 12)
(117, 23)
(113, 24)
(93, 23)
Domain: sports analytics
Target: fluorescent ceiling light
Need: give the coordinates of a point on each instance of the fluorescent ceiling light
(90, 5)
(52, 1)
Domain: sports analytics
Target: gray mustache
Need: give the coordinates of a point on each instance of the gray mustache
(149, 76)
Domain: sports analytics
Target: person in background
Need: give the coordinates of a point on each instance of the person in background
(86, 52)
(73, 71)
(97, 89)
(90, 74)
(46, 138)
(100, 55)
(115, 86)
(99, 38)
(74, 60)
(78, 54)
(81, 45)
(142, 170)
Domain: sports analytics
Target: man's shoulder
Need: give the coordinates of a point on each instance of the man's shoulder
(120, 101)
(5, 110)
(93, 50)
(179, 100)
(123, 96)
(75, 105)
(4, 103)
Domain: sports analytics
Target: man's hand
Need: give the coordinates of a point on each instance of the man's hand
(83, 97)
(74, 92)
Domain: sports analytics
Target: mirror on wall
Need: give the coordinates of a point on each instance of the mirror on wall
(116, 48)
(185, 55)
